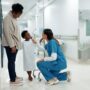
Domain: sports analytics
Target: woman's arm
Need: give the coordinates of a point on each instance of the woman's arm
(7, 30)
(51, 58)
(53, 47)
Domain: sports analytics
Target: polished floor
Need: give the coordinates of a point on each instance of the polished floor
(80, 78)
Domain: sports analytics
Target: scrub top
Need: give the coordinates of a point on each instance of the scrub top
(53, 47)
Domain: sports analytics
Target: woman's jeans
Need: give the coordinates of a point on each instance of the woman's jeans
(50, 70)
(11, 63)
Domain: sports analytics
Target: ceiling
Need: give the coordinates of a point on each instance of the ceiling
(29, 6)
(6, 5)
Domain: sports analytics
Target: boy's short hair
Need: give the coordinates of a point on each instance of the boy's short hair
(23, 33)
(17, 8)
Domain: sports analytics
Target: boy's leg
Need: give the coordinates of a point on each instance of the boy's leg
(29, 75)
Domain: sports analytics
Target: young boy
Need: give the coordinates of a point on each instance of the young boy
(28, 53)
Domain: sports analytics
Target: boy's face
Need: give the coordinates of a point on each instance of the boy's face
(27, 36)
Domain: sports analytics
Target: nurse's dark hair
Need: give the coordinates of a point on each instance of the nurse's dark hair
(17, 8)
(49, 34)
(23, 33)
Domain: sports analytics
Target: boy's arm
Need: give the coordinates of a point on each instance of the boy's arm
(34, 41)
(38, 45)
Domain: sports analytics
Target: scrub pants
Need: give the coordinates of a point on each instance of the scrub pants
(11, 63)
(50, 70)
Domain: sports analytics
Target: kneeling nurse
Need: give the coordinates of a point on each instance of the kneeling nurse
(51, 66)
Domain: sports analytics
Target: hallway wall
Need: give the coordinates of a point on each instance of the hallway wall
(62, 17)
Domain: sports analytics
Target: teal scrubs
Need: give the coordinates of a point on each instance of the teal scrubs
(51, 69)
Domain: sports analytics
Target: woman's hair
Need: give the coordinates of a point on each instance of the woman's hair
(23, 33)
(49, 34)
(17, 8)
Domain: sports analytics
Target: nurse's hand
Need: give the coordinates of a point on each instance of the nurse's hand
(39, 59)
(41, 40)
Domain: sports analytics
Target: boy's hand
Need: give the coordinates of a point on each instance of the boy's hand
(34, 41)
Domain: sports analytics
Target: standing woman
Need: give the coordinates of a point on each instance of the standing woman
(51, 66)
(11, 40)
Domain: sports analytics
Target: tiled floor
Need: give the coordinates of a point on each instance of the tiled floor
(80, 78)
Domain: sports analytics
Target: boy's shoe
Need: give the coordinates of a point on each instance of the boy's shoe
(30, 78)
(53, 81)
(68, 76)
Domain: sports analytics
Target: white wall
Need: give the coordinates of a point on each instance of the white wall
(0, 54)
(31, 25)
(62, 18)
(84, 4)
(83, 38)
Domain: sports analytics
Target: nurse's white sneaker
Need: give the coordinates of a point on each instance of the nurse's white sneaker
(68, 76)
(53, 81)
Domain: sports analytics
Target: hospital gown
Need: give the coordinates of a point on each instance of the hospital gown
(28, 55)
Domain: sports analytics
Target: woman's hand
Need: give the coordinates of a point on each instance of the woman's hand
(13, 49)
(41, 40)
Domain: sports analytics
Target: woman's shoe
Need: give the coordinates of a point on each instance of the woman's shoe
(16, 82)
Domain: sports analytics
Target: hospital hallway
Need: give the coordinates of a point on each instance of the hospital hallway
(63, 26)
(80, 74)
